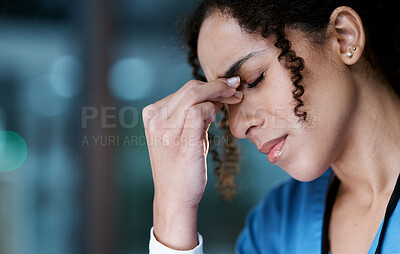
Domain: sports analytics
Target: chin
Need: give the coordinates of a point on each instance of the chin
(305, 171)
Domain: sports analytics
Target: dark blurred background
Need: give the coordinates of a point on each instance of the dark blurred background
(74, 78)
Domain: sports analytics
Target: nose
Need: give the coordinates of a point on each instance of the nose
(240, 121)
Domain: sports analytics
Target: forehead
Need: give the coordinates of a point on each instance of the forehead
(222, 42)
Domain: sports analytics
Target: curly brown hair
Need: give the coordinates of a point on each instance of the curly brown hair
(272, 18)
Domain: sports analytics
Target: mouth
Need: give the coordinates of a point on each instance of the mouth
(273, 148)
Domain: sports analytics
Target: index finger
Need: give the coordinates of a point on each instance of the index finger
(178, 95)
(211, 91)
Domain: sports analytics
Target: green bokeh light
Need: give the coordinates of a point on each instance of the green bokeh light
(13, 151)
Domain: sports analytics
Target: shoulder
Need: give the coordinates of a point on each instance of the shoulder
(288, 214)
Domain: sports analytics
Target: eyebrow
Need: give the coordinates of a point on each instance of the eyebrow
(238, 64)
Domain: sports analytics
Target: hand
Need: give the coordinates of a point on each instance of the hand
(176, 132)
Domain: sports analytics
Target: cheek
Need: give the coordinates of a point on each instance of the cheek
(330, 107)
(279, 86)
(277, 93)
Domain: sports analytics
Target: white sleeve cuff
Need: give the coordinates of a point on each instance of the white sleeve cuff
(155, 247)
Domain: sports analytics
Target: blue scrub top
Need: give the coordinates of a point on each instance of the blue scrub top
(289, 221)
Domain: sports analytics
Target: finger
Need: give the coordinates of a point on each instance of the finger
(211, 91)
(177, 96)
(212, 118)
(197, 91)
(161, 103)
(198, 119)
(159, 108)
(237, 97)
(173, 99)
(178, 118)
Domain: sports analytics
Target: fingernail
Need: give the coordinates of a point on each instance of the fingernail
(234, 82)
(238, 94)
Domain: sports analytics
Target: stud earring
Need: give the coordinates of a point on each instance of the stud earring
(354, 49)
(349, 54)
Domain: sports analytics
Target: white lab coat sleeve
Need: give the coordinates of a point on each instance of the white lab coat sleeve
(155, 247)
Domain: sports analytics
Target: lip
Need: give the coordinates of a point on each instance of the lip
(267, 146)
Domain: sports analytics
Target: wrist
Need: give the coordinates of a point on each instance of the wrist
(175, 226)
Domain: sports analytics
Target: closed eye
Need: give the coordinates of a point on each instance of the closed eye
(255, 83)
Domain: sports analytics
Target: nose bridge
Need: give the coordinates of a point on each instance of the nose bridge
(242, 118)
(239, 120)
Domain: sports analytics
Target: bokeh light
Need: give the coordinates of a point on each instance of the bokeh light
(67, 76)
(13, 151)
(131, 79)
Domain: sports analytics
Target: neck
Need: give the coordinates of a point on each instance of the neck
(369, 160)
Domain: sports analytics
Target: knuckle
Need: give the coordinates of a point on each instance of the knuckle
(191, 84)
(149, 112)
(151, 121)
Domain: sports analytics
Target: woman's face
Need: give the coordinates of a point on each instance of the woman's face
(266, 111)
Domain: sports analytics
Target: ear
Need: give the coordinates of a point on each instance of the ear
(348, 34)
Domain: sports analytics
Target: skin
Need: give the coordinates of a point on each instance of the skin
(355, 126)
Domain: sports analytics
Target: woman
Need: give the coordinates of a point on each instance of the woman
(272, 65)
